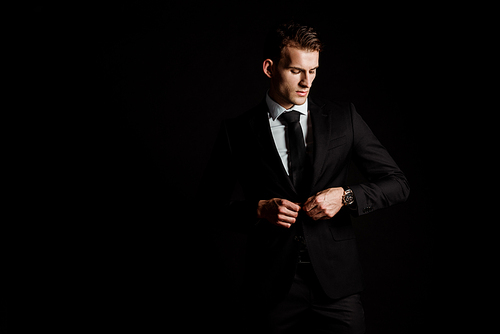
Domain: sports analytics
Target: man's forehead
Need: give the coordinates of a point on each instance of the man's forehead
(299, 57)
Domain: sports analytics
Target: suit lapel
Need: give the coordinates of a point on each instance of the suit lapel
(321, 133)
(322, 129)
(260, 125)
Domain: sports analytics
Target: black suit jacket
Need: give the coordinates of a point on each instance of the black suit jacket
(245, 158)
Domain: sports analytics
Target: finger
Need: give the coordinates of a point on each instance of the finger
(308, 200)
(315, 212)
(282, 224)
(287, 212)
(285, 219)
(291, 206)
(309, 204)
(314, 207)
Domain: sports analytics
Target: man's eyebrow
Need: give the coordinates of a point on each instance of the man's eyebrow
(301, 69)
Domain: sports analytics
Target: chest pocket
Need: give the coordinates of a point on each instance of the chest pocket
(336, 142)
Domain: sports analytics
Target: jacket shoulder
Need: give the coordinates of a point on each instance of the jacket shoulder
(332, 105)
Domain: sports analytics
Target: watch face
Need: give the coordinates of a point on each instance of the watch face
(348, 197)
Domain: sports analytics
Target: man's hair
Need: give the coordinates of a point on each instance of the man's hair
(293, 35)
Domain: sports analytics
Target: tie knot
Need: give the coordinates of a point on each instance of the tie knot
(290, 117)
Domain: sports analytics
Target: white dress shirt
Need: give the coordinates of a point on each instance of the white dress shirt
(278, 128)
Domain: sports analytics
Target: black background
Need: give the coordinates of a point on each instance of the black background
(156, 82)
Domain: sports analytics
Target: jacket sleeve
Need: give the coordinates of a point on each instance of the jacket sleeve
(387, 185)
(219, 193)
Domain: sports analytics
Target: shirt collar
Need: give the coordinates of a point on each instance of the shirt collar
(275, 110)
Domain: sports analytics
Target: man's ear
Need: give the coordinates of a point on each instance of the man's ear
(267, 67)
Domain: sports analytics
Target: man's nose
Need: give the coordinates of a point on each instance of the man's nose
(306, 80)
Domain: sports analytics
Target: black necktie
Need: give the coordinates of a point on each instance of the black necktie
(297, 165)
(296, 148)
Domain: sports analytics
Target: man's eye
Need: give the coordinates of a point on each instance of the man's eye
(295, 71)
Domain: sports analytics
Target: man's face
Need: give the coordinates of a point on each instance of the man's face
(292, 77)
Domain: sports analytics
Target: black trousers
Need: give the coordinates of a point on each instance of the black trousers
(307, 309)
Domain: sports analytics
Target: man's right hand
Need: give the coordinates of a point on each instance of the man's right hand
(279, 212)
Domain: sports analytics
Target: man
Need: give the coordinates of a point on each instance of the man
(288, 159)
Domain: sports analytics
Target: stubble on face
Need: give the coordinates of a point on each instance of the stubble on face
(293, 77)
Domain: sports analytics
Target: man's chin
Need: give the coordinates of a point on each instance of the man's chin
(299, 100)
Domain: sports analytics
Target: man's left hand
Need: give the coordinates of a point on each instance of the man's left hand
(325, 204)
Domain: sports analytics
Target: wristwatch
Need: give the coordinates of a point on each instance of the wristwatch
(348, 197)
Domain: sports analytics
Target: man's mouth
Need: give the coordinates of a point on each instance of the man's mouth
(302, 93)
